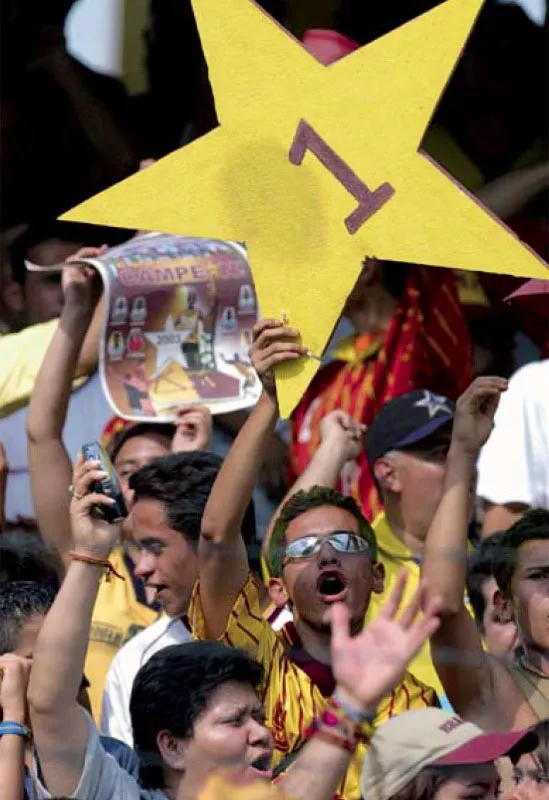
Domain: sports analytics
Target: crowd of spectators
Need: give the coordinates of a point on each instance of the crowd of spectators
(350, 604)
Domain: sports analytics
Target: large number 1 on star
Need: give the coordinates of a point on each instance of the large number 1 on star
(306, 138)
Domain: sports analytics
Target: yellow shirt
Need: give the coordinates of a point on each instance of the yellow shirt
(21, 356)
(118, 615)
(290, 698)
(395, 556)
(231, 787)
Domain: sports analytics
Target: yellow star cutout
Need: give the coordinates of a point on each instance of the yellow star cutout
(314, 168)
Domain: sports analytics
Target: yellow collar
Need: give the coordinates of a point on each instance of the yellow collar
(388, 543)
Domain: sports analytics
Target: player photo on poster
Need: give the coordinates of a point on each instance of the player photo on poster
(178, 326)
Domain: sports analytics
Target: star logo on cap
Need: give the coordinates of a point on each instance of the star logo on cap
(434, 403)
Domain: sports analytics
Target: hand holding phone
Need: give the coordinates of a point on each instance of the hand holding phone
(109, 485)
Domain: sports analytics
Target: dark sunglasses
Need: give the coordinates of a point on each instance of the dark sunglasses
(341, 541)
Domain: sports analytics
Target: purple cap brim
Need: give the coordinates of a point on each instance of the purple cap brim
(424, 431)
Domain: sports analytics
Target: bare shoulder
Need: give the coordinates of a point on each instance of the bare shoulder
(509, 708)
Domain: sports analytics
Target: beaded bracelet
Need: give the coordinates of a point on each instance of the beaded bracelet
(360, 717)
(336, 715)
(329, 735)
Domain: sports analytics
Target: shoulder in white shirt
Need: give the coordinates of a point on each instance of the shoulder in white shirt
(115, 715)
(514, 463)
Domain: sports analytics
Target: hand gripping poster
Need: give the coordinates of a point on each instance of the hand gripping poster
(179, 314)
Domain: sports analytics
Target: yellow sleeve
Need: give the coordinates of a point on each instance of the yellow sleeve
(246, 627)
(21, 356)
(219, 787)
(411, 693)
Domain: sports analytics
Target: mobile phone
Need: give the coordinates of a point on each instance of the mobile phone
(110, 485)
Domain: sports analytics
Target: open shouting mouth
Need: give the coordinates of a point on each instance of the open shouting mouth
(262, 766)
(332, 586)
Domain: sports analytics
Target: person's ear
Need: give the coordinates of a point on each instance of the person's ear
(278, 592)
(172, 750)
(13, 297)
(503, 607)
(378, 583)
(387, 474)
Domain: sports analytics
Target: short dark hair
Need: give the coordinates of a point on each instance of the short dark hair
(44, 230)
(182, 482)
(304, 501)
(19, 601)
(172, 690)
(482, 567)
(166, 429)
(533, 525)
(25, 557)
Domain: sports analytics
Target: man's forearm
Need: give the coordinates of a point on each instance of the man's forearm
(320, 767)
(444, 562)
(323, 470)
(52, 390)
(60, 653)
(89, 353)
(49, 464)
(233, 488)
(223, 561)
(12, 766)
(317, 771)
(60, 726)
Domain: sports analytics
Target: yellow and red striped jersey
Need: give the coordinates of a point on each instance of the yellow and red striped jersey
(291, 699)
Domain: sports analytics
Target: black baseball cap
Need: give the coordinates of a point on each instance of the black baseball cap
(407, 420)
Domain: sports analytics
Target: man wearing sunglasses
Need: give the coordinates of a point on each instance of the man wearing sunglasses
(322, 551)
(406, 447)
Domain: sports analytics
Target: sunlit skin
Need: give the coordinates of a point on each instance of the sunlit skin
(412, 481)
(229, 734)
(301, 578)
(530, 600)
(165, 561)
(477, 782)
(137, 452)
(28, 636)
(500, 636)
(25, 648)
(530, 779)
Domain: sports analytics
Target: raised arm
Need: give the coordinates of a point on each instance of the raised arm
(366, 667)
(14, 678)
(60, 726)
(341, 440)
(88, 357)
(457, 647)
(223, 562)
(49, 464)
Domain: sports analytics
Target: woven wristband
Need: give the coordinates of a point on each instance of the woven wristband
(96, 561)
(15, 729)
(356, 723)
